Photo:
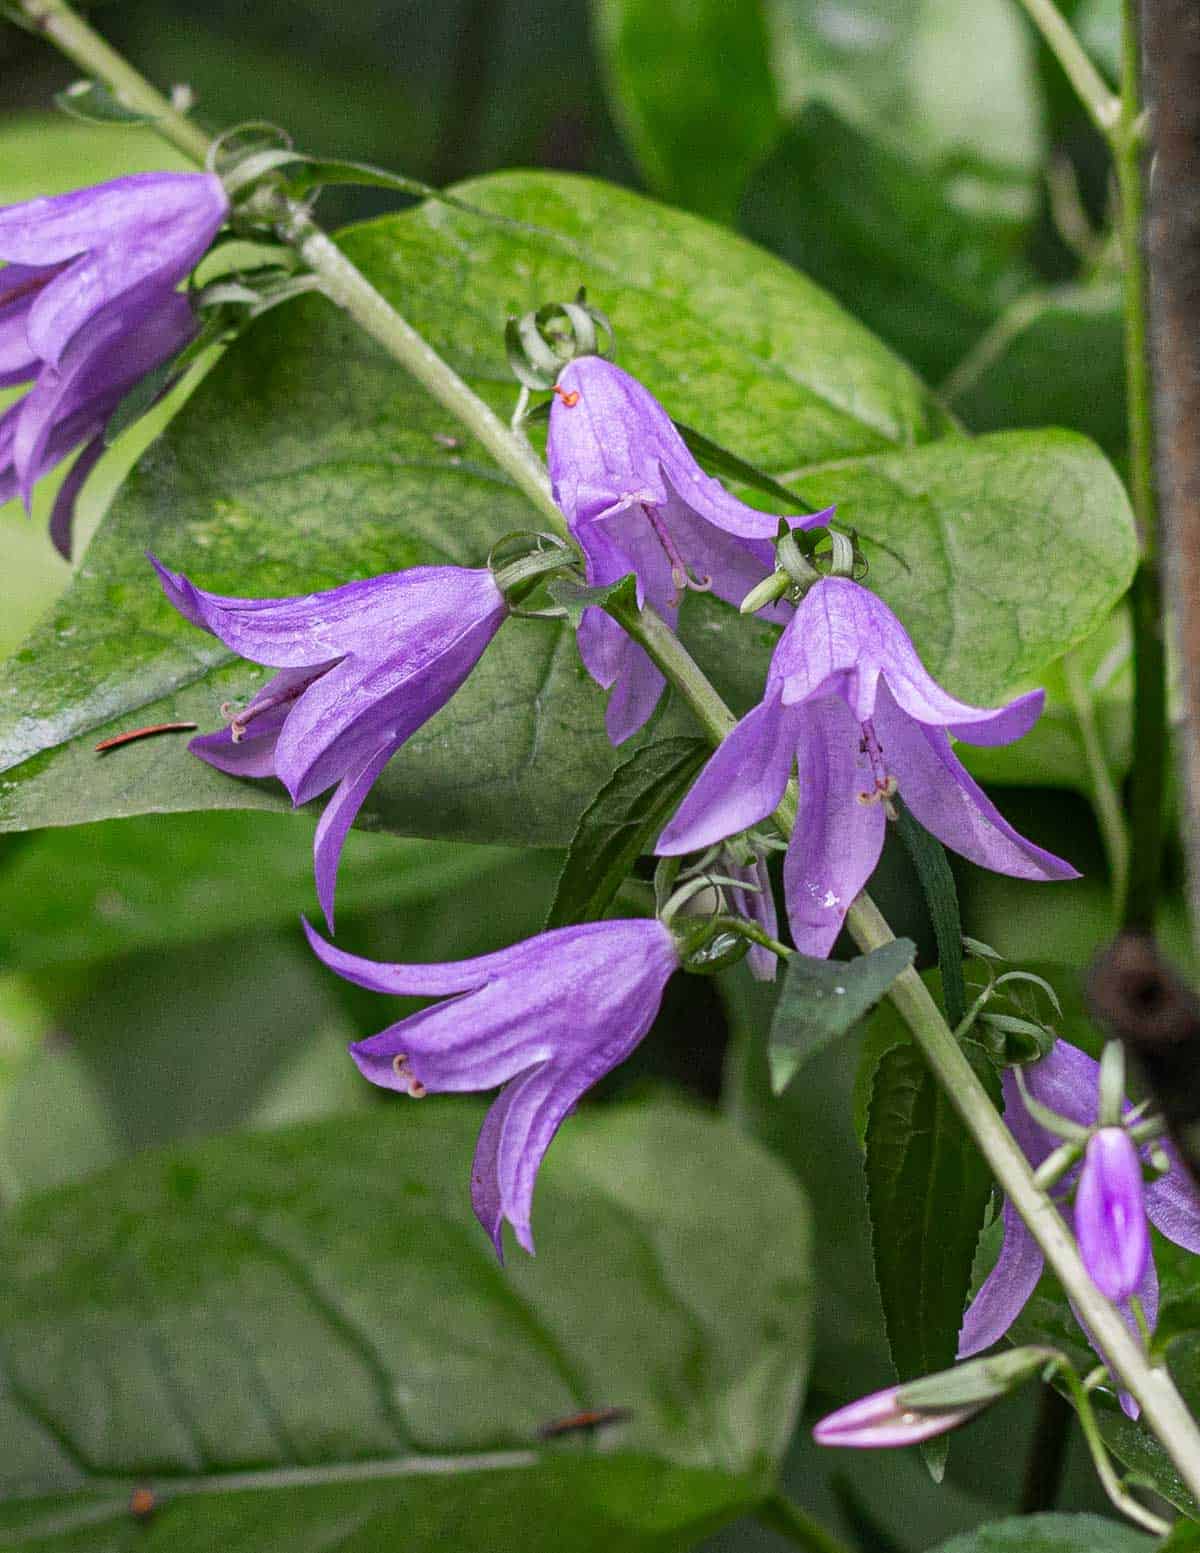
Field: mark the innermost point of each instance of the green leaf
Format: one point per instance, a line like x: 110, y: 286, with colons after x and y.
x: 927, y: 1190
x: 618, y: 825
x: 955, y: 87
x: 693, y: 91
x: 937, y: 885
x: 1051, y: 1534
x: 822, y: 999
x: 315, y: 1313
x: 873, y: 225
x: 1184, y: 1538
x: 1055, y: 358
x: 307, y: 458
x: 165, y: 880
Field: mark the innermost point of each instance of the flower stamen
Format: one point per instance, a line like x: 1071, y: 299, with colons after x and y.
x: 412, y: 1085
x: 569, y: 397
x: 682, y: 575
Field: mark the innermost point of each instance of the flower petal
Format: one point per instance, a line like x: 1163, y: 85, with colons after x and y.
x: 132, y: 241
x: 252, y: 756
x: 432, y: 980
x: 743, y: 781
x: 364, y: 703
x: 1173, y: 1203
x: 62, y: 515
x: 1004, y: 1292
x: 759, y: 906
x: 425, y: 603
x: 950, y: 803
x: 839, y: 826
x: 334, y: 826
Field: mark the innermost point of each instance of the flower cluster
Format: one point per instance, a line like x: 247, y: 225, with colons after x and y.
x: 89, y: 307
x: 1110, y: 1208
x: 848, y: 703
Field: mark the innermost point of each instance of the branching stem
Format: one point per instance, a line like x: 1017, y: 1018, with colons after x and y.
x: 1162, y: 1405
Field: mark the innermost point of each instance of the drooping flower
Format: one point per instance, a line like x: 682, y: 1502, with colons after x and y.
x: 86, y: 308
x: 362, y: 667
x: 542, y: 1021
x: 849, y: 700
x: 1067, y: 1082
x: 638, y: 502
x: 70, y: 406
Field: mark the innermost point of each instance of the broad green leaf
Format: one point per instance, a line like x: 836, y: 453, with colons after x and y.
x: 307, y: 458
x: 163, y: 880
x: 692, y: 87
x: 953, y: 86
x: 621, y: 823
x: 1051, y: 1534
x: 1055, y: 358
x: 822, y: 999
x: 305, y: 1333
x: 927, y: 1190
x: 870, y: 223
x: 589, y: 1504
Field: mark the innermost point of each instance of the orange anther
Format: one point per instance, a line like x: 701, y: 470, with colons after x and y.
x: 569, y: 399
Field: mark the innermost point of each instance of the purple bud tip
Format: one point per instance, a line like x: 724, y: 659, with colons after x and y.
x: 1110, y: 1214
x: 881, y: 1420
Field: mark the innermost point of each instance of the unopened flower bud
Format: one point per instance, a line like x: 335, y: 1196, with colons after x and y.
x: 920, y: 1409
x: 1110, y: 1214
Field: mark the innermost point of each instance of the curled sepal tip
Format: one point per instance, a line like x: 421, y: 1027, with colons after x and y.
x: 540, y: 343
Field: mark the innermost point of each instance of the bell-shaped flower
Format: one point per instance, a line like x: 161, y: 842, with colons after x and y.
x: 87, y: 308
x: 361, y: 668
x: 637, y: 501
x: 1067, y: 1082
x: 72, y: 257
x: 848, y: 699
x: 542, y: 1022
x: 70, y: 405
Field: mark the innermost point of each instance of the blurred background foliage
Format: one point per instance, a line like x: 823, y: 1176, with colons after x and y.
x: 922, y: 159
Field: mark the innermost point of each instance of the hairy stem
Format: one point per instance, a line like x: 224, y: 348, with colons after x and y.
x: 1105, y: 796
x: 1162, y: 1406
x: 1089, y: 84
x: 72, y: 36
x: 1147, y: 784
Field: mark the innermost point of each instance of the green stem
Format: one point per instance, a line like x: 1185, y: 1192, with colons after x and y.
x: 72, y: 36
x: 1106, y: 799
x: 1089, y: 84
x: 1102, y: 1461
x: 796, y: 1525
x: 1148, y: 776
x: 1162, y: 1406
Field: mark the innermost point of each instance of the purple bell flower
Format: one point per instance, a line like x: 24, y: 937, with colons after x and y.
x: 70, y: 406
x: 362, y: 667
x: 849, y: 700
x: 637, y: 501
x: 87, y: 307
x: 542, y: 1021
x: 1067, y: 1082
